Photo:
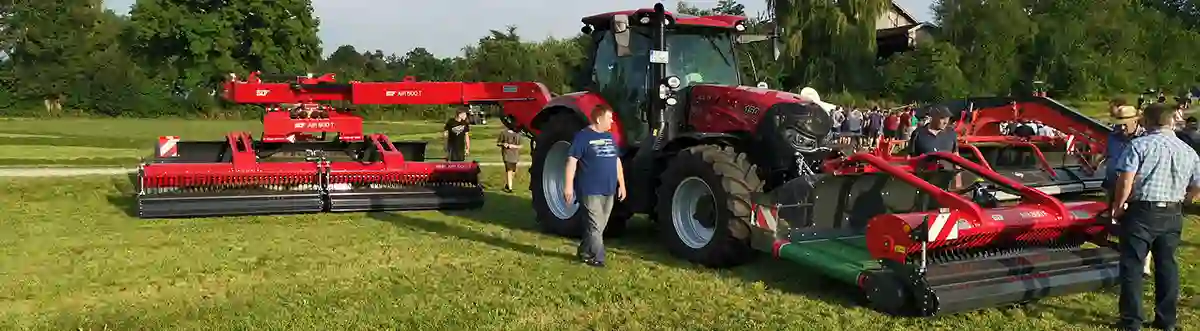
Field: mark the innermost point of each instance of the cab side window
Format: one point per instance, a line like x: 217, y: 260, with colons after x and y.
x: 606, y: 61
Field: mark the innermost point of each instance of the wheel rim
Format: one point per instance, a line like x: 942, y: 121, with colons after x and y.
x: 554, y: 176
x: 691, y: 193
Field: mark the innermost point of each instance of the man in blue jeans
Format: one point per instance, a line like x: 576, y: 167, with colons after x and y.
x: 1156, y: 173
x: 1125, y: 129
x: 600, y: 178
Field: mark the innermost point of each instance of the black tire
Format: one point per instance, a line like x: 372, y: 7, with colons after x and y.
x: 731, y: 178
x: 562, y: 128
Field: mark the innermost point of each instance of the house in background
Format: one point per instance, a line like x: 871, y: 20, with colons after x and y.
x: 898, y: 31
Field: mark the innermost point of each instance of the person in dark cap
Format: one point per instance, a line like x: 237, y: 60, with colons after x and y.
x: 458, y: 136
x: 1157, y: 172
x: 936, y: 136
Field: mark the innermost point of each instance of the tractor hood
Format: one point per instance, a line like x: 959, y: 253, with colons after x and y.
x: 802, y: 119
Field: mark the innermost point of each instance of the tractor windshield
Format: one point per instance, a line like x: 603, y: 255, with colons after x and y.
x: 702, y: 56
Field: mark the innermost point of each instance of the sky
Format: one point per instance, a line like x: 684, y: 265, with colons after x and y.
x: 444, y: 27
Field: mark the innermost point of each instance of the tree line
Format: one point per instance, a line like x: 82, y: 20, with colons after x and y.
x: 168, y: 57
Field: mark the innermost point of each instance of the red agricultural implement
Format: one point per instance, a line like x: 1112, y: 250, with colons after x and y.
x: 725, y: 170
x: 296, y: 168
x: 1066, y: 164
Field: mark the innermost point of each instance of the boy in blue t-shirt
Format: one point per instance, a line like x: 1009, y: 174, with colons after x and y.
x: 600, y: 178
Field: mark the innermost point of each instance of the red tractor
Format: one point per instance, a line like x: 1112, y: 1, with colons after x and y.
x: 725, y: 171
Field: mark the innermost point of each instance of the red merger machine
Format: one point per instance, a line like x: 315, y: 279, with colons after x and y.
x: 1065, y: 164
x: 291, y: 169
x: 725, y: 171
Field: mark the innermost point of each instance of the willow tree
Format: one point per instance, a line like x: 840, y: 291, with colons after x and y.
x: 829, y: 44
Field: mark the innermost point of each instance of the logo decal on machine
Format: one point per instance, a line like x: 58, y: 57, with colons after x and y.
x: 313, y: 125
x: 408, y: 93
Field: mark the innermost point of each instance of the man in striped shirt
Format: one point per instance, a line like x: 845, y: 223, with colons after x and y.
x: 1157, y: 172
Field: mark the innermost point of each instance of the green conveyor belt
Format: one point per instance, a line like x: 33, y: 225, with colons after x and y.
x: 839, y: 258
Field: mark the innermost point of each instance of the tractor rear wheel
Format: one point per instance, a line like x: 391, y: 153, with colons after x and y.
x: 548, y: 175
x: 704, y: 205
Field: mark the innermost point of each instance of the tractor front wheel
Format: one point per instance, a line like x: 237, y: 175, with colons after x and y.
x: 704, y: 205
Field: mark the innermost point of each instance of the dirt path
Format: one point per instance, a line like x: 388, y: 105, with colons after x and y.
x: 107, y: 171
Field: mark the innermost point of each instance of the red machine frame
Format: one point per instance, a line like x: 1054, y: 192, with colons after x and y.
x: 331, y: 181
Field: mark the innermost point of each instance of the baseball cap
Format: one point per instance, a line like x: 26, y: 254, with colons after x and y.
x: 939, y: 112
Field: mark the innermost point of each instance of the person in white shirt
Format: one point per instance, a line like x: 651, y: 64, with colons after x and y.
x: 838, y: 116
x: 1046, y: 131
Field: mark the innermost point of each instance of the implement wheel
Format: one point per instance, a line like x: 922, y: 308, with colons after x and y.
x: 548, y: 175
x: 704, y: 205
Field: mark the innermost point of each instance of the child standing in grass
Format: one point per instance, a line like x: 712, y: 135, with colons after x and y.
x: 510, y: 150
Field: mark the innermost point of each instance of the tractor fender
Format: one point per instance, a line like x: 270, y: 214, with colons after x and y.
x: 581, y: 103
x: 700, y: 138
x: 553, y: 110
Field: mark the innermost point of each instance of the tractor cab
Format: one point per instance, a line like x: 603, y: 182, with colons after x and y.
x: 642, y: 68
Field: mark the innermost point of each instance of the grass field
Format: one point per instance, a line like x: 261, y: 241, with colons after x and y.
x: 74, y: 258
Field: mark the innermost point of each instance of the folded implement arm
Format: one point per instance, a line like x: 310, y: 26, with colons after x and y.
x: 291, y: 171
x: 1063, y: 165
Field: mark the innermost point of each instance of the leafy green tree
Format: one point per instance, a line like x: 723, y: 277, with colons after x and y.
x: 198, y: 43
x: 730, y: 7
x: 829, y: 45
x: 990, y: 36
x: 51, y: 42
x: 929, y: 73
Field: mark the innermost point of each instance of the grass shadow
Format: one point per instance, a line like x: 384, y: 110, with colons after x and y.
x: 1074, y: 315
x: 124, y: 194
x: 641, y: 241
x: 402, y: 220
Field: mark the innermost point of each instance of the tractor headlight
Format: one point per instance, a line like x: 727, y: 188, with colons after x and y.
x: 645, y: 20
x: 672, y: 101
x: 673, y: 82
x: 798, y: 140
x: 663, y: 91
x: 740, y: 27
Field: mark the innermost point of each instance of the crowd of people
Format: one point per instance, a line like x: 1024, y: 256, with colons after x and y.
x: 861, y: 129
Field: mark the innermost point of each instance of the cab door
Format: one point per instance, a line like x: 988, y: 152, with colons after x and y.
x: 622, y: 81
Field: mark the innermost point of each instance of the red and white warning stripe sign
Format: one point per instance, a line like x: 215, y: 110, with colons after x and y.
x: 766, y: 217
x: 168, y: 146
x: 938, y: 229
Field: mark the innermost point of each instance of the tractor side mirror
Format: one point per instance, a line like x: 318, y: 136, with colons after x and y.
x: 775, y: 47
x: 620, y: 28
x: 751, y: 38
